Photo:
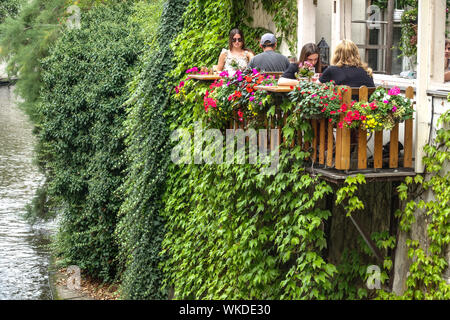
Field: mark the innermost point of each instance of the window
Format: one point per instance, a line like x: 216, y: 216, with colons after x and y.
x: 369, y: 31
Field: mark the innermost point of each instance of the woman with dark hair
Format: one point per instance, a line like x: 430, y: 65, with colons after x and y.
x: 237, y: 56
x: 309, y: 55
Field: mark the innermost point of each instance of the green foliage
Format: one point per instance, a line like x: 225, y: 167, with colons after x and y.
x: 399, y: 4
x: 347, y: 193
x: 207, y: 26
x: 25, y: 41
x: 408, y: 40
x: 141, y: 227
x: 425, y: 279
x: 314, y: 100
x: 260, y: 239
x: 9, y: 8
x: 84, y: 89
x: 285, y: 17
x: 39, y: 208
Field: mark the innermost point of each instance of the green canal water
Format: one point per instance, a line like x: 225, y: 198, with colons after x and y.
x: 24, y: 253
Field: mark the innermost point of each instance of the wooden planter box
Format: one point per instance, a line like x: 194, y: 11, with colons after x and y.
x: 331, y: 145
x: 323, y: 130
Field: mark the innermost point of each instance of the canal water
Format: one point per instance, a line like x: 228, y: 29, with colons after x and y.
x: 24, y: 252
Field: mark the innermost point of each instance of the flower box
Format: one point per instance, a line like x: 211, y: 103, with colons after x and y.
x: 331, y: 145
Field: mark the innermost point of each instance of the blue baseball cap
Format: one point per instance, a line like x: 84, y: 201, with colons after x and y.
x: 268, y: 38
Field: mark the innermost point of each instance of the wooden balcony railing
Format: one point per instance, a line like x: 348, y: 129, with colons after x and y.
x: 331, y: 146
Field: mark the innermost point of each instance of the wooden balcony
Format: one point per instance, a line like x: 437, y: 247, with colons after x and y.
x: 336, y: 153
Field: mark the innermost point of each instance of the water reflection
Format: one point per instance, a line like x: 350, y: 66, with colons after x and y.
x: 24, y: 253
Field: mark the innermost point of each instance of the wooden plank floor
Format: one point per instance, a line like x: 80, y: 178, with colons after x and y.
x: 339, y: 176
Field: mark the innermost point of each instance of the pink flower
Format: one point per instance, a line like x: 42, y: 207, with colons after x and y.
x: 224, y: 74
x: 176, y: 90
x: 394, y: 108
x: 194, y: 69
x: 395, y: 91
x: 240, y: 78
x: 385, y: 101
x: 228, y: 83
x: 181, y: 84
x: 251, y: 98
x: 254, y: 71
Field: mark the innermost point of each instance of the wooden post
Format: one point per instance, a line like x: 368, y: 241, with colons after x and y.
x: 314, y: 141
x: 378, y: 150
x: 362, y: 134
x: 343, y: 144
x: 262, y: 137
x: 337, y: 157
x: 330, y: 145
x: 408, y: 142
x: 322, y: 142
x: 393, y: 148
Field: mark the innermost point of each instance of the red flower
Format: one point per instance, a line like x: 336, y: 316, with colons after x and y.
x: 240, y: 115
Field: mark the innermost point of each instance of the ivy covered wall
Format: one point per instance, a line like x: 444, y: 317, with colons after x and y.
x: 106, y: 107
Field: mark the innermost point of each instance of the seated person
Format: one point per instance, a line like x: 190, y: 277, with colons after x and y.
x: 269, y: 60
x: 310, y: 54
x: 447, y: 57
x: 237, y: 56
x: 347, y: 68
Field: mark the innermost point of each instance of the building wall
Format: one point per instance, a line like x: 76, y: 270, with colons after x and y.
x: 261, y: 19
x: 323, y: 21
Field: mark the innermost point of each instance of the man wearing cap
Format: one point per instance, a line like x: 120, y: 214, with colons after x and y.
x: 269, y: 60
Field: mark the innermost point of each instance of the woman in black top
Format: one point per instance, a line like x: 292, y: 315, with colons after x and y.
x: 309, y: 54
x: 347, y: 67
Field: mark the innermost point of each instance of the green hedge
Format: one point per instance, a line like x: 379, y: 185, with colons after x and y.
x: 82, y: 112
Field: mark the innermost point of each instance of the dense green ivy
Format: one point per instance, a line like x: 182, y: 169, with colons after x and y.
x: 253, y: 240
x: 82, y: 111
x: 259, y: 239
x: 428, y: 196
x: 207, y: 26
x: 285, y: 17
x: 141, y: 228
